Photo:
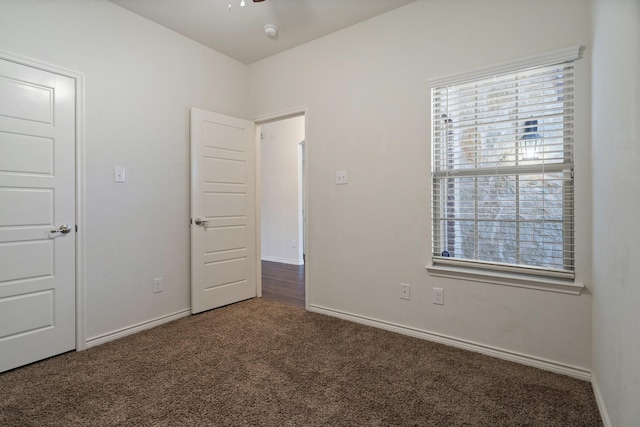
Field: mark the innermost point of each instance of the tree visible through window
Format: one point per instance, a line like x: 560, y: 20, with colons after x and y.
x: 502, y: 169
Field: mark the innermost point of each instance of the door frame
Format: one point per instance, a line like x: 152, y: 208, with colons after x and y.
x: 79, y: 80
x: 261, y: 120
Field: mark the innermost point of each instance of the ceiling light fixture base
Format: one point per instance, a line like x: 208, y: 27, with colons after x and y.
x: 271, y: 31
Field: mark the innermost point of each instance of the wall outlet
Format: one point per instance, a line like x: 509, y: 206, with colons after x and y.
x: 157, y: 285
x: 118, y: 174
x: 438, y: 296
x: 405, y: 291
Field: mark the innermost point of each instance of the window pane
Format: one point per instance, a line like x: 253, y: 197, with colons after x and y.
x: 541, y: 244
x: 497, y: 242
x: 497, y: 198
x: 513, y: 219
x: 502, y: 168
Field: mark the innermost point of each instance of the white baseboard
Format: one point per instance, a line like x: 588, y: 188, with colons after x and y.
x: 129, y: 330
x: 601, y: 407
x: 282, y: 260
x: 524, y: 359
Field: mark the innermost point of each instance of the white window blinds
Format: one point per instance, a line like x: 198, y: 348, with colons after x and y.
x: 502, y: 170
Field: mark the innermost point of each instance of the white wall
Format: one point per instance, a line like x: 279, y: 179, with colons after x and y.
x: 141, y: 80
x: 368, y: 112
x: 280, y: 190
x: 616, y: 203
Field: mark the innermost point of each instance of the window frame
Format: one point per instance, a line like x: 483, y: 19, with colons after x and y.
x: 491, y: 272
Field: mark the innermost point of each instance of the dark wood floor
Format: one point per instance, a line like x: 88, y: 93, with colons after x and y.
x: 283, y: 283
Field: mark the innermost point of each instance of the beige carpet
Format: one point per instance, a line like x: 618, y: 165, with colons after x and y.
x: 260, y: 363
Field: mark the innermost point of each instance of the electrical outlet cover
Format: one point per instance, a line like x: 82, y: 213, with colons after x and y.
x: 405, y: 291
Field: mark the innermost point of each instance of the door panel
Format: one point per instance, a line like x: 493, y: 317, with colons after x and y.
x: 40, y: 253
x: 223, y: 250
x: 225, y: 205
x: 41, y: 303
x: 13, y: 201
x: 225, y: 171
x: 226, y: 272
x: 226, y: 238
x: 37, y: 195
x: 31, y: 101
x: 26, y: 154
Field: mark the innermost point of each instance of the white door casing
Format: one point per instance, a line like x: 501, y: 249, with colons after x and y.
x: 37, y: 196
x: 223, y: 202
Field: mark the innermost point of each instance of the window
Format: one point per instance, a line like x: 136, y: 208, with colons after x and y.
x: 502, y: 168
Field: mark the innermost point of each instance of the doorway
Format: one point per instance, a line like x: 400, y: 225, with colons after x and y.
x: 282, y: 215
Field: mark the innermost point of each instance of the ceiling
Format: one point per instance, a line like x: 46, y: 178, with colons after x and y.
x: 239, y: 33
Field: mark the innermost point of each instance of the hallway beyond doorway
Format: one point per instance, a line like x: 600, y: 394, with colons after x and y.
x: 283, y: 283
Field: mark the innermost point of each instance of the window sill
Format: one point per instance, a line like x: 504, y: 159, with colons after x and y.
x: 507, y: 279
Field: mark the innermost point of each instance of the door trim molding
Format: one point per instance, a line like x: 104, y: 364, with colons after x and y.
x: 282, y: 115
x: 261, y: 120
x: 79, y: 79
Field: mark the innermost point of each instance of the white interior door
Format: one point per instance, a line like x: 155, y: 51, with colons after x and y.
x: 223, y: 210
x: 37, y: 196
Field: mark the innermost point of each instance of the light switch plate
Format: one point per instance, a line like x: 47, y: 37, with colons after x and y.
x: 341, y: 177
x: 157, y: 285
x: 438, y: 296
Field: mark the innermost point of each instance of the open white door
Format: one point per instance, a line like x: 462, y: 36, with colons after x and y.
x: 223, y: 210
x: 37, y: 214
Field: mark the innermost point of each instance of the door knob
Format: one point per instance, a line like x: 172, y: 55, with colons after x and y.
x: 64, y: 229
x: 201, y: 222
